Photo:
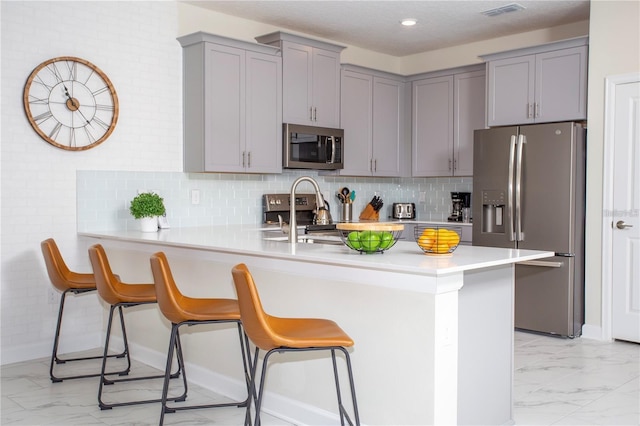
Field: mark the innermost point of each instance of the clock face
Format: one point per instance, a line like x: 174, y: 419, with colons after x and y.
x: 71, y: 103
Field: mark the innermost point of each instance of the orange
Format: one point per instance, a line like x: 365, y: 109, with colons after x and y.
x: 425, y: 242
x: 441, y: 248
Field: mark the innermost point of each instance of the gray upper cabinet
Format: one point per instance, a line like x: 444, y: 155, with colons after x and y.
x: 372, y: 112
x: 232, y: 105
x: 538, y: 84
x: 311, y: 79
x: 447, y: 108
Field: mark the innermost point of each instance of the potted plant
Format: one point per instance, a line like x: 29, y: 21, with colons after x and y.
x: 147, y: 206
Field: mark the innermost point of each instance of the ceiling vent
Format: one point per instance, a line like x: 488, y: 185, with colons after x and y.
x: 513, y: 7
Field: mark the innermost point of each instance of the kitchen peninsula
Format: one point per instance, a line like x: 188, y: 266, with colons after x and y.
x: 433, y: 335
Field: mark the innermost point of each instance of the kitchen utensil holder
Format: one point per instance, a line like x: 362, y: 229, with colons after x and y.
x: 346, y: 212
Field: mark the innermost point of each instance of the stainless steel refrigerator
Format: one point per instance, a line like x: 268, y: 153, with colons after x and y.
x: 529, y: 193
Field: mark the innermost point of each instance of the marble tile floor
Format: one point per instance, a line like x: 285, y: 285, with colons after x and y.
x: 575, y: 381
x: 557, y: 382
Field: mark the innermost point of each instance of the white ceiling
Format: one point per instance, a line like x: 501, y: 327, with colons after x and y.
x: 374, y: 25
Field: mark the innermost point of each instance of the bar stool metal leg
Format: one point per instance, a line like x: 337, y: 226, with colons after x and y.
x: 175, y: 342
x: 55, y: 359
x: 105, y: 381
x: 344, y: 415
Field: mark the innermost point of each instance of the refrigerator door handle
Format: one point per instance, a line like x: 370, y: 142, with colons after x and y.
x: 522, y: 139
x: 541, y: 263
x: 510, y: 213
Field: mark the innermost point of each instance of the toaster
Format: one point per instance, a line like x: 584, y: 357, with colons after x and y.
x: 404, y: 210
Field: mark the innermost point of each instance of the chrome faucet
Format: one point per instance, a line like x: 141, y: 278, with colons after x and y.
x: 293, y: 223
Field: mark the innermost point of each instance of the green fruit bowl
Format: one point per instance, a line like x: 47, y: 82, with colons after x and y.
x: 370, y: 237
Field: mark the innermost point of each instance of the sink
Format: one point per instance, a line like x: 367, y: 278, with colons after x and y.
x: 309, y: 239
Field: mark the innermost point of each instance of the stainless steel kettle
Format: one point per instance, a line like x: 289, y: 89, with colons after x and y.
x: 323, y: 215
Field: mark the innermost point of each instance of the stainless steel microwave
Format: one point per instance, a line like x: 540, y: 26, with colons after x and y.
x: 310, y: 147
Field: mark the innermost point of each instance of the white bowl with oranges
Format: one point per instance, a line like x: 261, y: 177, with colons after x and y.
x: 437, y: 240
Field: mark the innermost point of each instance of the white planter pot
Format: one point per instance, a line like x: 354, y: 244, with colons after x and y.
x: 149, y: 224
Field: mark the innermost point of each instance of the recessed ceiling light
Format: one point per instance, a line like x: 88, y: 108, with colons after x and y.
x: 409, y: 22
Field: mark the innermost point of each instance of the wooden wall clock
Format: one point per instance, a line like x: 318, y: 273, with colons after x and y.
x: 71, y: 103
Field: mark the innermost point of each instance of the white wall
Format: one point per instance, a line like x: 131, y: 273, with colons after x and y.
x: 134, y: 44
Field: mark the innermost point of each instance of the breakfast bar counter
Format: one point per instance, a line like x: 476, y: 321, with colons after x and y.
x: 433, y: 334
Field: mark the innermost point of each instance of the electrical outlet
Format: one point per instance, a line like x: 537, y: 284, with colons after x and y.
x: 423, y: 197
x: 52, y: 297
x: 195, y: 196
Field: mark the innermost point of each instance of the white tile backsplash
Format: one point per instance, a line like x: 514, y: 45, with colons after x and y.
x: 104, y: 196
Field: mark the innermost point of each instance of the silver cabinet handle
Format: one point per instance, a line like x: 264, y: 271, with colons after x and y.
x: 621, y: 225
x: 310, y: 113
x: 249, y: 160
x: 536, y: 110
x: 529, y: 110
x: 315, y: 114
x: 243, y: 158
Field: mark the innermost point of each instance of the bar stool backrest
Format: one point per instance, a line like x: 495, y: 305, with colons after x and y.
x: 106, y: 282
x: 167, y: 292
x: 255, y: 321
x: 60, y: 275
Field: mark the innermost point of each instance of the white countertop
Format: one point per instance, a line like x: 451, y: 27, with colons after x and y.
x: 403, y: 257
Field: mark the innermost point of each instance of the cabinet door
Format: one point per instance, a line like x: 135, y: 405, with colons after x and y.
x: 326, y: 88
x: 387, y: 126
x: 561, y: 85
x: 432, y: 138
x: 356, y: 115
x: 297, y: 88
x: 224, y: 123
x: 511, y: 86
x: 469, y: 115
x: 263, y: 151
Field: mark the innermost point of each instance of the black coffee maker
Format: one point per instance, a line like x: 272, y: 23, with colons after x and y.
x: 459, y: 201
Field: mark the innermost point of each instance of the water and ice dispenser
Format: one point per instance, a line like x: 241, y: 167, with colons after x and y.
x: 493, y: 211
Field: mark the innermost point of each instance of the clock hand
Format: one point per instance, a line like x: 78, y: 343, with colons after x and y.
x: 84, y: 118
x: 73, y: 103
x: 66, y: 92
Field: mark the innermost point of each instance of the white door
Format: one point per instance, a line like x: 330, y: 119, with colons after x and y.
x: 625, y: 222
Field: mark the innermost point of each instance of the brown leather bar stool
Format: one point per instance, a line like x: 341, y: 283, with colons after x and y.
x: 273, y: 334
x: 183, y: 310
x: 122, y: 295
x: 67, y: 281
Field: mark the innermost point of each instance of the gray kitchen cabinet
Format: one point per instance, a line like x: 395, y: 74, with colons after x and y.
x: 539, y: 84
x: 372, y: 116
x: 311, y: 79
x: 447, y: 108
x: 232, y: 105
x: 469, y: 103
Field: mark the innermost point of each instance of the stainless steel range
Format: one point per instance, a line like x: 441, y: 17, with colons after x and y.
x: 274, y: 205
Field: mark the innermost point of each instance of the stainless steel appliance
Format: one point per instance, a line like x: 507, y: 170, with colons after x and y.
x: 274, y: 205
x: 529, y: 193
x: 309, y: 147
x: 459, y: 202
x: 404, y: 210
